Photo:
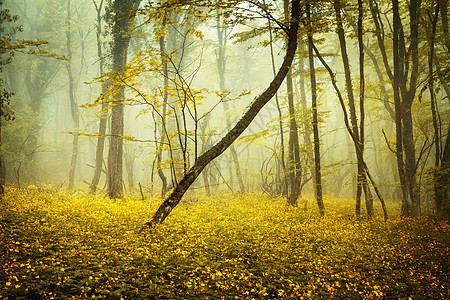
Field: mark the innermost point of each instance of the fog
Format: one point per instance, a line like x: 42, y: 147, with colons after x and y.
x: 215, y: 67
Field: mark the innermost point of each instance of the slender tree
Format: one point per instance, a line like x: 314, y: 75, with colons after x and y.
x: 163, y: 134
x: 315, y: 119
x: 175, y: 196
x: 283, y: 183
x: 357, y: 130
x: 100, y: 147
x: 73, y: 102
x: 222, y: 35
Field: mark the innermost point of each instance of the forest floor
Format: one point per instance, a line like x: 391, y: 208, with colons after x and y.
x: 59, y: 245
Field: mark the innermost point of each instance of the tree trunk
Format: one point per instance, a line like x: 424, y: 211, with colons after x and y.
x: 307, y: 127
x: 159, y: 150
x: 294, y: 164
x: 441, y: 162
x: 121, y: 38
x: 129, y: 166
x: 205, y: 146
x: 444, y: 174
x: 2, y: 162
x: 73, y: 103
x: 443, y: 192
x: 174, y: 198
x: 222, y: 36
x: 350, y: 132
x: 99, y: 149
x: 367, y: 194
x: 444, y: 14
x: 398, y: 110
x: 315, y: 121
x: 282, y: 185
x: 351, y: 105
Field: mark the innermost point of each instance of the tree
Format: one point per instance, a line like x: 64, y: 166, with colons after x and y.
x: 6, y: 55
x: 281, y: 179
x: 223, y: 33
x: 404, y: 79
x: 175, y: 196
x: 22, y: 148
x: 315, y: 121
x: 99, y: 149
x: 73, y: 103
x: 294, y: 163
x: 122, y: 14
x: 441, y: 167
x: 357, y: 130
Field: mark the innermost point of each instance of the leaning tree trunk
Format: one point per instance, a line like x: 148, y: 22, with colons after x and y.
x: 174, y: 198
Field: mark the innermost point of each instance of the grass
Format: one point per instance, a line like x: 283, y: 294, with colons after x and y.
x: 59, y: 245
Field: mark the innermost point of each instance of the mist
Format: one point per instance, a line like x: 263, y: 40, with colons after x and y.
x: 318, y: 107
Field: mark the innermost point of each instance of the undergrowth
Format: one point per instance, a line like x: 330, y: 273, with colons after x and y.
x: 59, y: 245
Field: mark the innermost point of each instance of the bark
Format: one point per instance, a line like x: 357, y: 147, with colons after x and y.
x: 444, y: 14
x: 404, y: 82
x: 380, y: 36
x: 2, y: 162
x: 159, y: 150
x: 349, y: 130
x: 398, y: 110
x: 99, y: 149
x: 407, y: 95
x: 307, y: 127
x: 129, y: 166
x: 315, y: 124
x: 222, y: 36
x: 73, y: 102
x: 443, y: 210
x: 405, y: 60
x: 205, y: 145
x: 444, y: 174
x: 283, y: 183
x: 174, y: 198
x: 121, y: 38
x: 356, y: 131
x: 294, y: 164
x: 367, y: 194
x: 441, y: 162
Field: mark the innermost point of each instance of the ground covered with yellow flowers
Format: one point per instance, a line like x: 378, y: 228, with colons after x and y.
x: 59, y: 245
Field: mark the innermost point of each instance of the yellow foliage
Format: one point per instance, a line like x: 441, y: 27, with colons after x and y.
x: 62, y: 245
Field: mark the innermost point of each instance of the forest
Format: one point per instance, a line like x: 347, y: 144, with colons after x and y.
x: 235, y: 149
